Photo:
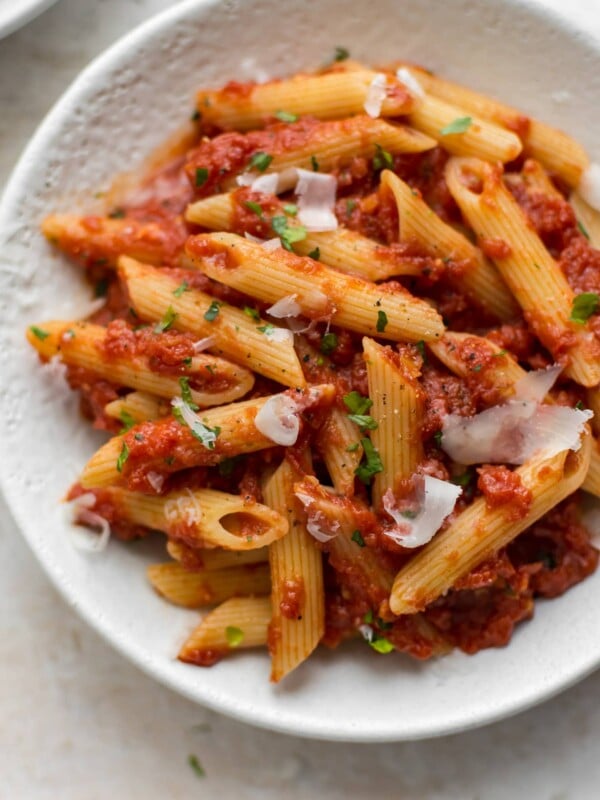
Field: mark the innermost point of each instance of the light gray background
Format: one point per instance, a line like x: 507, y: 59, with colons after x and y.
x: 77, y: 721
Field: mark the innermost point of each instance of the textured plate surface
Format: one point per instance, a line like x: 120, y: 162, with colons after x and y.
x: 16, y: 13
x: 121, y: 107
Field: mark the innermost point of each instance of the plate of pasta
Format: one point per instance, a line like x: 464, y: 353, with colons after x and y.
x: 301, y: 363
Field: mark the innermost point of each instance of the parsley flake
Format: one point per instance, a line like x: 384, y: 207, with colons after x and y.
x: 212, y: 312
x: 579, y: 405
x: 286, y: 116
x: 183, y: 287
x: 201, y: 176
x: 582, y: 229
x: 381, y: 645
x: 357, y: 537
x: 127, y: 420
x: 328, y: 343
x: 371, y: 463
x: 316, y: 254
x: 382, y: 158
x: 260, y: 161
x: 356, y: 403
x: 350, y: 206
x: 256, y: 207
x: 251, y: 312
x: 101, y: 288
x: 341, y: 54
x: 286, y: 232
x: 584, y: 305
x: 166, y: 322
x: 364, y: 421
x: 437, y: 437
x: 117, y: 213
x: 291, y: 209
x: 234, y: 636
x: 314, y: 163
x: 123, y: 456
x: 368, y: 617
x: 196, y: 766
x: 382, y: 321
x: 352, y: 448
x: 458, y: 125
x: 186, y: 392
x: 39, y: 333
x: 420, y: 345
x: 185, y: 415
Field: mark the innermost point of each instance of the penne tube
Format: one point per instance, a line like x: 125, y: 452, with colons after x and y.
x: 535, y: 179
x: 398, y: 410
x: 235, y: 334
x: 201, y: 517
x: 214, y: 558
x: 297, y: 592
x: 455, y: 350
x: 212, y: 380
x: 480, y: 531
x: 137, y: 407
x: 557, y: 151
x: 593, y: 402
x: 325, y: 147
x: 341, y: 450
x: 529, y: 270
x: 321, y: 292
x: 588, y: 218
x: 99, y: 241
x: 168, y: 446
x: 346, y: 250
x: 478, y: 137
x: 196, y: 589
x: 591, y: 483
x: 419, y: 224
x: 238, y: 623
x: 327, y: 96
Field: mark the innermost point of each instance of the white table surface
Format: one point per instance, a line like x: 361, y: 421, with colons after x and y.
x: 78, y: 721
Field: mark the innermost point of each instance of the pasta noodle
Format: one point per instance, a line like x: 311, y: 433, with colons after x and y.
x: 196, y: 589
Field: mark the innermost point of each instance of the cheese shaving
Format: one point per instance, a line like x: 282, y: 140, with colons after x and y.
x: 286, y: 307
x: 278, y: 419
x: 376, y: 94
x: 82, y: 514
x: 316, y: 200
x: 410, y: 81
x: 589, y: 186
x: 433, y: 501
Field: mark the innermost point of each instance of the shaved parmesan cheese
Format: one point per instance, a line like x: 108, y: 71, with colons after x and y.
x: 513, y: 433
x: 185, y: 508
x: 266, y: 183
x: 409, y: 80
x: 317, y: 524
x: 203, y: 344
x: 279, y: 335
x: 269, y: 183
x: 246, y: 178
x: 278, y: 419
x: 436, y: 499
x: 207, y: 436
x: 81, y: 514
x: 156, y: 481
x: 589, y: 186
x: 272, y: 244
x: 316, y: 200
x: 536, y: 384
x: 252, y: 238
x: 376, y: 94
x: 367, y: 632
x: 286, y: 307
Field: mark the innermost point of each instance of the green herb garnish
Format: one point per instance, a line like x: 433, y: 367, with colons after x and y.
x: 356, y: 403
x: 382, y: 158
x: 123, y: 456
x: 251, y: 312
x: 261, y: 161
x: 357, y: 537
x: 316, y: 254
x: 291, y: 209
x: 127, y: 420
x: 201, y: 176
x: 39, y: 333
x: 381, y: 644
x: 286, y: 232
x: 314, y: 163
x: 196, y: 766
x: 285, y: 116
x: 166, y: 322
x: 234, y: 636
x: 371, y: 463
x: 250, y: 204
x: 341, y: 54
x: 328, y: 343
x: 582, y: 229
x: 382, y: 321
x: 183, y: 287
x: 458, y: 125
x: 212, y: 312
x: 584, y: 305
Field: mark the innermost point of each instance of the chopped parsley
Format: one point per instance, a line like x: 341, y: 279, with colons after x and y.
x: 584, y: 305
x: 352, y: 448
x: 127, y: 420
x: 117, y: 213
x: 437, y: 437
x: 183, y: 287
x: 251, y: 312
x: 39, y: 333
x: 291, y: 209
x: 184, y: 414
x: 328, y: 343
x: 368, y: 617
x: 123, y: 456
x: 582, y: 229
x: 420, y: 345
x: 266, y: 329
x: 464, y: 479
x: 196, y: 766
x: 357, y: 537
x: 234, y: 636
x: 256, y: 207
x: 371, y: 463
x: 314, y: 163
x: 286, y: 232
x: 187, y: 361
x: 381, y: 644
x: 186, y: 392
x: 350, y: 206
x: 316, y: 254
x: 382, y: 158
x: 458, y: 125
x: 499, y: 354
x: 201, y: 176
x: 212, y: 312
x: 579, y: 405
x: 382, y: 321
x: 196, y: 116
x: 341, y: 54
x: 356, y: 403
x: 261, y: 161
x: 364, y: 421
x: 286, y: 116
x: 101, y: 288
x: 169, y: 318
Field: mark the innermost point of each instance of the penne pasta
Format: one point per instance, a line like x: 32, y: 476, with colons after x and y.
x: 195, y: 589
x: 557, y: 151
x: 419, y: 224
x: 342, y: 248
x: 531, y: 273
x: 235, y: 334
x: 398, y: 410
x: 174, y: 447
x: 587, y: 217
x: 137, y: 407
x: 325, y: 96
x: 214, y: 558
x: 321, y: 293
x: 342, y: 452
x: 238, y: 623
x: 297, y: 592
x: 480, y: 531
x: 211, y: 380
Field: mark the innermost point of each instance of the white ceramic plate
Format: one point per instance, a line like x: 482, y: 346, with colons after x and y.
x: 16, y: 13
x: 122, y: 106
